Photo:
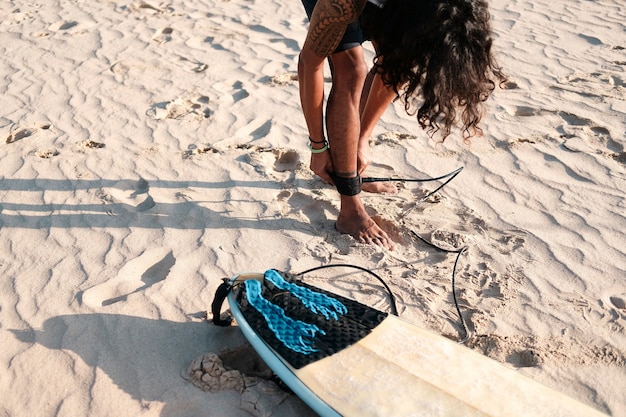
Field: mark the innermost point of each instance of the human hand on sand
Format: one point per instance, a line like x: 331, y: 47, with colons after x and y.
x: 322, y: 166
x: 363, y: 156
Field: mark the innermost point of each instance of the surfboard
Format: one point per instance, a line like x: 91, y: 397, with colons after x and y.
x: 344, y: 358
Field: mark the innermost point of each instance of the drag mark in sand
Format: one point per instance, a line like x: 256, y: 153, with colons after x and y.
x: 139, y: 274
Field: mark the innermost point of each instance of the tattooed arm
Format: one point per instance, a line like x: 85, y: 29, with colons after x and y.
x: 328, y: 24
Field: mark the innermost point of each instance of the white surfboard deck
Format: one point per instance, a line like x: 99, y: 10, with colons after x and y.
x: 400, y: 369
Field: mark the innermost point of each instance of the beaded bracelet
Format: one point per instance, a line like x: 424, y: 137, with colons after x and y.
x: 320, y: 150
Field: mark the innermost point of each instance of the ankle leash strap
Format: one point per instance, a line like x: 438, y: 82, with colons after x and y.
x: 347, y: 186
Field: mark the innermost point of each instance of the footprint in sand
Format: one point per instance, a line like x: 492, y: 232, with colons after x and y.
x: 20, y: 134
x: 510, y: 85
x: 133, y: 194
x: 180, y: 108
x: 64, y: 26
x: 240, y: 92
x: 281, y: 80
x: 286, y: 160
x: 583, y: 135
x: 602, y: 83
x: 268, y: 161
x: 194, y: 150
x: 151, y: 267
x: 511, y: 242
x: 46, y: 153
x: 147, y: 7
x: 393, y: 138
x: 302, y: 206
x: 163, y: 36
x: 90, y: 144
x: 527, y: 111
x: 25, y: 132
x: 618, y: 302
x: 86, y: 146
x: 617, y: 310
x: 16, y: 16
x: 192, y: 65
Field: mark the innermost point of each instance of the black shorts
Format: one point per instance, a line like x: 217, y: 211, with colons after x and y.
x: 355, y: 35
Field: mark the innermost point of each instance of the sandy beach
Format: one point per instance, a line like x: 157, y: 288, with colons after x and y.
x: 150, y: 149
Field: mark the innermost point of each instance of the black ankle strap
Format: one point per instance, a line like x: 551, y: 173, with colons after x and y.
x: 347, y: 186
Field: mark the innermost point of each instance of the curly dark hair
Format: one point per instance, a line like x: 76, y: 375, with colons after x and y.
x: 441, y: 49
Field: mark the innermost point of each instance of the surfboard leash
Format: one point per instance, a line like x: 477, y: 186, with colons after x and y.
x: 392, y: 298
x: 458, y: 252
x: 225, y: 288
x: 394, y: 310
x: 450, y: 176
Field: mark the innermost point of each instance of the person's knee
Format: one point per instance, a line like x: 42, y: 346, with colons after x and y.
x: 349, y: 69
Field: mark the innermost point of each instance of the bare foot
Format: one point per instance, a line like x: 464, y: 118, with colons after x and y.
x: 354, y: 220
x: 379, y: 187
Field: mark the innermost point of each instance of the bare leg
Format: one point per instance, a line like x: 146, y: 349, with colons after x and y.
x: 375, y: 99
x: 367, y: 86
x: 344, y: 127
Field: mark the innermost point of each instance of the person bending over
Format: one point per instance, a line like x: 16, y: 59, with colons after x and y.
x: 433, y: 54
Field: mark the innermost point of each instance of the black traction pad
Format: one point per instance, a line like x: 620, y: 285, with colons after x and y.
x: 351, y: 327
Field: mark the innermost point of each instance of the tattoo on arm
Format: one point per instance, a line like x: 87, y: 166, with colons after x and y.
x: 329, y: 22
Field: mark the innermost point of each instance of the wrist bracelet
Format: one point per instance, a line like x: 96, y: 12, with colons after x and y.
x: 320, y: 150
x: 318, y: 141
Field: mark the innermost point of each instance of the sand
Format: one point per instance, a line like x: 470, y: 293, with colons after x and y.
x: 150, y: 149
